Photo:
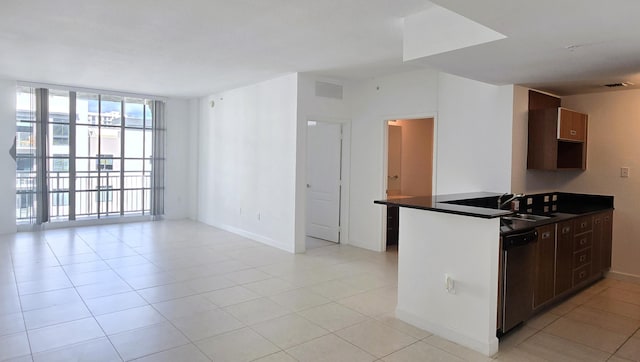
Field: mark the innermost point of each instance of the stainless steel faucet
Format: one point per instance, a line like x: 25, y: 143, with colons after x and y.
x: 513, y: 197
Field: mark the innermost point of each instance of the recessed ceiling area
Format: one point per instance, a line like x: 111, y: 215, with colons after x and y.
x: 197, y: 47
x: 564, y: 47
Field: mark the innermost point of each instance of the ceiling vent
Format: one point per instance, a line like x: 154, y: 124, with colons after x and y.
x: 328, y: 90
x: 616, y: 85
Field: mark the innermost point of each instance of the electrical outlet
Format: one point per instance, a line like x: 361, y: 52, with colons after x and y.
x: 449, y: 284
x: 624, y: 172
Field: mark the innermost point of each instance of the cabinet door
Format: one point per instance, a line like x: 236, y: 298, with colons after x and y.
x: 605, y: 246
x: 572, y: 126
x: 564, y: 257
x: 598, y: 233
x: 545, y: 265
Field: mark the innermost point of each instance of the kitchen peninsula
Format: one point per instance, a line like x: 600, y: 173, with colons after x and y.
x: 450, y: 278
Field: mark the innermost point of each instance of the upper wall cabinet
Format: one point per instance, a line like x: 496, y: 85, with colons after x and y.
x: 572, y: 126
x: 557, y: 139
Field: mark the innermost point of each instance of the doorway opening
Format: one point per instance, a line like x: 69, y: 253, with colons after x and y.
x: 324, y: 183
x: 409, y: 166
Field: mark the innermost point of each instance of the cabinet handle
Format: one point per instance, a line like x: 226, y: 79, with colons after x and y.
x: 583, y: 258
x: 573, y: 132
x: 582, y: 274
x: 583, y: 241
x: 583, y: 224
x: 546, y: 235
x: 597, y: 221
x: 566, y: 230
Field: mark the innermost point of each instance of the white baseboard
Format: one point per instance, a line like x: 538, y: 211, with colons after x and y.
x: 623, y: 276
x: 488, y: 349
x: 253, y: 236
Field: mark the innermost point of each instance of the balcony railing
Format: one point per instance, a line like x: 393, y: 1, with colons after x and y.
x: 97, y: 194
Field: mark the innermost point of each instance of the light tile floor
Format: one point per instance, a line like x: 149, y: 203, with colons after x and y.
x: 184, y: 291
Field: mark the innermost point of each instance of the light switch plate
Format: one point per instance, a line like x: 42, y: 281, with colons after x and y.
x: 624, y: 172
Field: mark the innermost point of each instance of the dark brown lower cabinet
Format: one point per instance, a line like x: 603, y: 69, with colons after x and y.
x: 570, y: 255
x: 544, y: 265
x: 606, y: 241
x: 393, y: 224
x: 564, y: 256
x: 597, y: 244
x: 567, y: 257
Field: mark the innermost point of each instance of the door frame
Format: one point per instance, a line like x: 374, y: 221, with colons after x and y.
x: 345, y: 172
x: 385, y: 167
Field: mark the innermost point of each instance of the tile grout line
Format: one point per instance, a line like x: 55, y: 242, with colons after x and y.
x: 167, y: 320
x: 625, y: 341
x: 84, y: 302
x: 24, y: 323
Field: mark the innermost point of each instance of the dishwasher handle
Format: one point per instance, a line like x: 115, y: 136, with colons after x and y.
x: 520, y: 239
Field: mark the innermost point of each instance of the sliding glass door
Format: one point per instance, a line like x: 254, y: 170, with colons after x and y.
x: 98, y: 156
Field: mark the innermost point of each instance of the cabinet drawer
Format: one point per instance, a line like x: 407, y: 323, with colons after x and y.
x: 582, y: 224
x: 582, y: 241
x: 582, y: 258
x: 581, y: 274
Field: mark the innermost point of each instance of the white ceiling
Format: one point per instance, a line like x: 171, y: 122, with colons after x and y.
x: 197, y: 47
x: 562, y: 46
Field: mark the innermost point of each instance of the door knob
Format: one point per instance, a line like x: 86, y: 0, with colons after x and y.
x: 308, y: 186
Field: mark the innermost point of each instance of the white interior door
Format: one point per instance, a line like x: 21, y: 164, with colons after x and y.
x: 324, y: 149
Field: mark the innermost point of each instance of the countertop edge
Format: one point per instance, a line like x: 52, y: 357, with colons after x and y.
x: 463, y: 210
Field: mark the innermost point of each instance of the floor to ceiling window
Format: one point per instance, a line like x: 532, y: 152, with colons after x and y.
x: 82, y: 155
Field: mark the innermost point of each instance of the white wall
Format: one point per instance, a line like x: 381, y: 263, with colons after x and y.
x: 312, y: 107
x: 247, y: 161
x: 473, y: 136
x: 192, y: 182
x: 398, y: 96
x: 177, y: 151
x: 433, y: 245
x: 473, y: 127
x: 7, y: 164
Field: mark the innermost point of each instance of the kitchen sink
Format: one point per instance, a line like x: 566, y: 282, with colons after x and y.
x: 527, y: 217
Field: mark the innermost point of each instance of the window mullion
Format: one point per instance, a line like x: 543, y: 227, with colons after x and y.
x: 122, y: 166
x: 99, y: 181
x: 144, y: 150
x: 72, y: 155
x: 42, y: 126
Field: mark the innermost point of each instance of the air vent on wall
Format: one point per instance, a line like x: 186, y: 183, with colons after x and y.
x: 328, y: 90
x: 621, y: 84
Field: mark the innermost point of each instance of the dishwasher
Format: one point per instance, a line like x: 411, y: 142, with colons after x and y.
x: 517, y: 266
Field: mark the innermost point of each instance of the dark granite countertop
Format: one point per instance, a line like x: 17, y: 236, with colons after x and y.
x: 557, y: 206
x: 442, y: 203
